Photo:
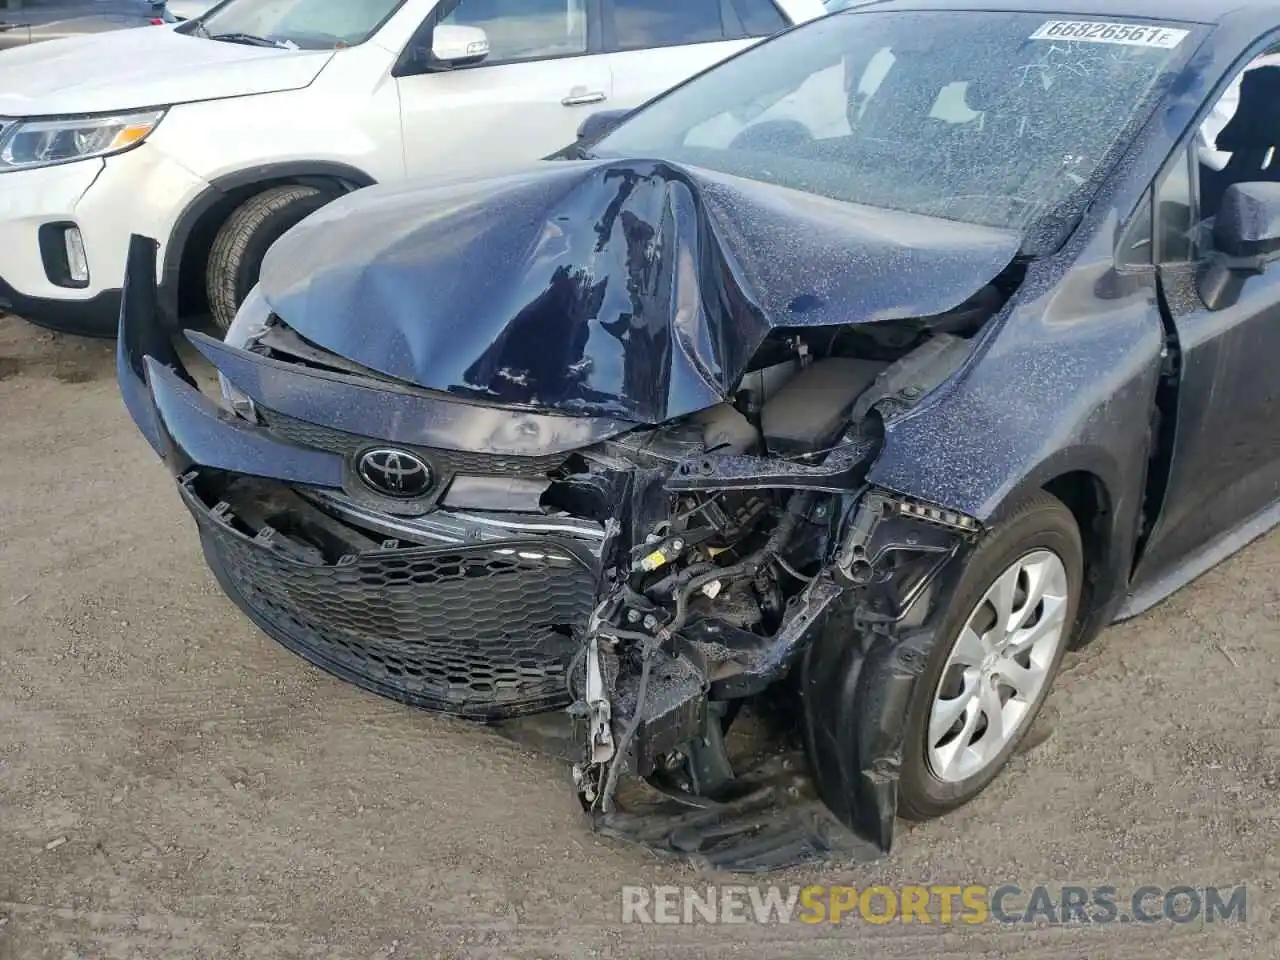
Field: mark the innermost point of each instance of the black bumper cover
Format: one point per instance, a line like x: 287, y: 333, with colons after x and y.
x: 96, y: 317
x: 430, y: 627
x: 478, y: 631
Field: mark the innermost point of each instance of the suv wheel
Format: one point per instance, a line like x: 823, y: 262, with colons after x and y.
x: 240, y: 245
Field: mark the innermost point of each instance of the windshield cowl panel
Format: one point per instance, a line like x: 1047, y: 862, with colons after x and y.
x: 1003, y: 120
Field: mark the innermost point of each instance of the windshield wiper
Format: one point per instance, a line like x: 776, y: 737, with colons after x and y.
x: 249, y: 40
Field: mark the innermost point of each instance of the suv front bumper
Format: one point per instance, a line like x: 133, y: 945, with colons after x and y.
x: 141, y: 190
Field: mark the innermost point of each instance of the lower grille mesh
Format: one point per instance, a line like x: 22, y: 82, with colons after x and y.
x: 482, y: 633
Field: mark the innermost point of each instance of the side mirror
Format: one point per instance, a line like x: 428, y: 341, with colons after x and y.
x: 600, y: 123
x: 455, y: 46
x: 1246, y: 237
x: 1248, y: 220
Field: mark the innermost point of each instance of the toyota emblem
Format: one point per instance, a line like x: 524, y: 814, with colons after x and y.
x: 395, y: 473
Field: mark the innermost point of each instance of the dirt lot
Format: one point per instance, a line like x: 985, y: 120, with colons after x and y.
x: 219, y: 798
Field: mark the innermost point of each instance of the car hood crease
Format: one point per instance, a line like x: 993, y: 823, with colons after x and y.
x: 629, y: 288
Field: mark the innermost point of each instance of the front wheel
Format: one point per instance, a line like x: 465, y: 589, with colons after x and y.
x: 235, y: 261
x: 1000, y: 643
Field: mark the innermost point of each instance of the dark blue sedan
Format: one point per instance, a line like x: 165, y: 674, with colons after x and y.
x: 867, y: 372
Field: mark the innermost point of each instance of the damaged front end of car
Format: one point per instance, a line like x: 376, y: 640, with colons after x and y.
x: 648, y: 560
x: 732, y: 573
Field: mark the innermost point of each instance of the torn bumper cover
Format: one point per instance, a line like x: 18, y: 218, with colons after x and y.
x: 465, y: 612
x: 623, y: 571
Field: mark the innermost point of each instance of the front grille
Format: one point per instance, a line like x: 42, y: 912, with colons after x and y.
x: 482, y: 632
x: 446, y: 462
x: 446, y: 526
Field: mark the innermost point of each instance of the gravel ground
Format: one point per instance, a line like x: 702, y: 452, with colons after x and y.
x: 173, y: 784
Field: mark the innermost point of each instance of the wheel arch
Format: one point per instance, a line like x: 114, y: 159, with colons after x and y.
x: 1087, y: 496
x: 181, y: 280
x: 1105, y: 503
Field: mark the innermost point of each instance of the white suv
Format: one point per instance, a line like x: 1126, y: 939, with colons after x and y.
x: 219, y: 135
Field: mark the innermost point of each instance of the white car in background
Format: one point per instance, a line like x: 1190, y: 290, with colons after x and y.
x: 221, y: 133
x: 37, y: 21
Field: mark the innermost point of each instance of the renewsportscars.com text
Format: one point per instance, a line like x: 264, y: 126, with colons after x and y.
x: 934, y: 904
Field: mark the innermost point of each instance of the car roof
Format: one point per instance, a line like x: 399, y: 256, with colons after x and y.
x: 1189, y: 11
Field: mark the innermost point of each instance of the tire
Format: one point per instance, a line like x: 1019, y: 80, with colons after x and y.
x: 1041, y: 524
x: 235, y: 260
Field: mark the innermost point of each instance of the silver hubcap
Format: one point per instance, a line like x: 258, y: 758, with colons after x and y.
x: 998, y: 667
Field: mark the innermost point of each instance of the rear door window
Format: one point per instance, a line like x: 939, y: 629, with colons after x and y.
x: 640, y: 24
x: 760, y: 18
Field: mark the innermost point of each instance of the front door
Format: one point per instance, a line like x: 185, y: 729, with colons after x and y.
x: 1225, y: 465
x: 541, y: 79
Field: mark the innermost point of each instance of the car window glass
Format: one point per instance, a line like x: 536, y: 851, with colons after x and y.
x: 664, y: 23
x: 952, y: 106
x: 1238, y: 140
x: 1176, y: 220
x: 1135, y: 246
x: 306, y: 23
x: 965, y: 115
x: 759, y: 17
x: 525, y: 29
x: 1224, y: 111
x: 822, y: 104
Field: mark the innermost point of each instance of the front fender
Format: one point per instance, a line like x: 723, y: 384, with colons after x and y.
x: 1066, y: 384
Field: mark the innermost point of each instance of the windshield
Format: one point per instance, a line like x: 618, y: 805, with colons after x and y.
x: 997, y: 119
x: 310, y: 24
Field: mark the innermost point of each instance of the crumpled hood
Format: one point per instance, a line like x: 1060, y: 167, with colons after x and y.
x: 635, y: 289
x: 143, y: 67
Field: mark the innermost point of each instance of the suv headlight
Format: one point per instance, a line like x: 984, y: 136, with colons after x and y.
x: 41, y: 143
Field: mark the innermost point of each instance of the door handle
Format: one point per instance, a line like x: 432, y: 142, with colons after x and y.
x: 578, y: 99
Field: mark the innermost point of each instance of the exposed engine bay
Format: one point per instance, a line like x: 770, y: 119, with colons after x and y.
x: 723, y: 539
x: 731, y: 534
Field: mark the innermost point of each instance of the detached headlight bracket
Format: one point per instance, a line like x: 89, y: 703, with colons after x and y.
x: 895, y: 548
